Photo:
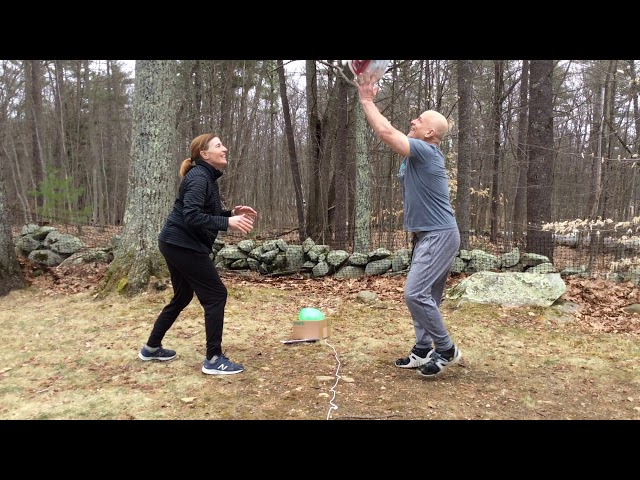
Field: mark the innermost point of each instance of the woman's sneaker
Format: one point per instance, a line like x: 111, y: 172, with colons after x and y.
x: 162, y: 354
x: 439, y: 362
x: 221, y: 366
x: 416, y: 358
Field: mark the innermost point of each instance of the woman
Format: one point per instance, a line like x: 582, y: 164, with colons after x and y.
x: 186, y: 241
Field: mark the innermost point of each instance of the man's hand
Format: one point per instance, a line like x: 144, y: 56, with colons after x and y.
x: 367, y: 89
x: 396, y: 140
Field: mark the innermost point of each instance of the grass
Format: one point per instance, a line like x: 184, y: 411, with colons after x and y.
x: 75, y: 357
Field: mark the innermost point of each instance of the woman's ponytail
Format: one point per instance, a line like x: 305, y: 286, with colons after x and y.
x: 186, y: 165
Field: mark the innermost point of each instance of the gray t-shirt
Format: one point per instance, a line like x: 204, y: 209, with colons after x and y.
x: 425, y: 189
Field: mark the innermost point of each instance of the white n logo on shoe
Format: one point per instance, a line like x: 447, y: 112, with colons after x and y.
x: 222, y: 367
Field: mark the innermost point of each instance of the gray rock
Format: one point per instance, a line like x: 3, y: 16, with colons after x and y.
x: 509, y: 288
x: 378, y: 267
x: 350, y: 271
x: 400, y: 260
x: 320, y: 270
x: 533, y: 259
x: 359, y: 259
x: 542, y: 268
x: 379, y: 254
x: 511, y: 258
x: 367, y: 296
x: 337, y: 258
x: 295, y: 257
x: 45, y: 257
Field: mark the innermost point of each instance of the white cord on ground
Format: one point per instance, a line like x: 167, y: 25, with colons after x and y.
x: 333, y: 405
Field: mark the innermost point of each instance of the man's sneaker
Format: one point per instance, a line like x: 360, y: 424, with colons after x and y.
x: 416, y: 358
x: 221, y: 366
x: 438, y: 363
x: 162, y: 354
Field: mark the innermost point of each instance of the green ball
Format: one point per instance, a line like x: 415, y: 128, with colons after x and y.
x: 307, y: 314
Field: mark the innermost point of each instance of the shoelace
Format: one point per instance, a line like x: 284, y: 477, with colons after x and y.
x: 224, y: 358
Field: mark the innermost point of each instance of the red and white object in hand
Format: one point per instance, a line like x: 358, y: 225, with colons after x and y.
x: 376, y: 68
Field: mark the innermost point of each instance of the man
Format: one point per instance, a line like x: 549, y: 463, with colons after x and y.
x: 428, y: 214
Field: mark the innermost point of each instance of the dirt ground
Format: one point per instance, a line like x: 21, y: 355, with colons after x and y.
x: 525, y: 363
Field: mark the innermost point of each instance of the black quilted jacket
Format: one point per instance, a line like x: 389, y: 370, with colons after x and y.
x: 197, y: 215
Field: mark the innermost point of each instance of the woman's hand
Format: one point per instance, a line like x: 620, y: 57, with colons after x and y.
x: 243, y: 209
x: 241, y: 223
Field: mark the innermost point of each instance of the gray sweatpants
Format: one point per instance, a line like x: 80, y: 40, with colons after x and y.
x: 433, y: 254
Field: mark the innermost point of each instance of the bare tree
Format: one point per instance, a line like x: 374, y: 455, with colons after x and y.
x: 539, y: 177
x: 341, y: 177
x: 496, y: 114
x: 33, y: 87
x: 11, y: 276
x: 362, y: 231
x: 465, y: 135
x: 595, y: 138
x: 608, y: 128
x: 635, y: 89
x: 152, y: 176
x: 247, y: 127
x: 520, y: 201
x: 293, y: 159
x: 58, y: 86
x: 314, y: 194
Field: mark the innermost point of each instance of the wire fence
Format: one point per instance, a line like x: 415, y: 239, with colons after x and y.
x: 606, y: 253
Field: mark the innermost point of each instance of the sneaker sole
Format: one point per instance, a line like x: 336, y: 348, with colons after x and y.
x: 453, y: 361
x: 162, y: 359
x: 220, y: 372
x: 412, y: 364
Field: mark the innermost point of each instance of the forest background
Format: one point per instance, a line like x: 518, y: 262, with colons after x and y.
x: 538, y: 150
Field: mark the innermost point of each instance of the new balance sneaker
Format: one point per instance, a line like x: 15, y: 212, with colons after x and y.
x: 221, y: 366
x: 416, y: 358
x: 162, y: 354
x: 439, y: 362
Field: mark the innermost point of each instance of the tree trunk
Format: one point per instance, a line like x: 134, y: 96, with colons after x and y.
x: 341, y: 178
x: 314, y: 130
x: 605, y: 207
x: 60, y: 142
x: 225, y: 128
x: 362, y: 222
x: 495, y: 127
x: 328, y: 140
x: 293, y: 159
x: 33, y: 87
x: 636, y: 145
x: 152, y: 174
x: 595, y: 141
x: 635, y: 89
x: 465, y: 138
x: 539, y: 177
x: 11, y: 276
x: 520, y: 201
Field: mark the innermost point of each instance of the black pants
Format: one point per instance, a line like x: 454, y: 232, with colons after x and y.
x: 191, y: 272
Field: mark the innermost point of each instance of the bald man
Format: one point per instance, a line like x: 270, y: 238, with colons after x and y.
x: 429, y: 216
